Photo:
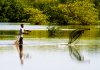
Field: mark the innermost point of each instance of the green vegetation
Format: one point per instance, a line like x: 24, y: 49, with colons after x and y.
x: 11, y: 11
x: 52, y: 12
x: 35, y: 16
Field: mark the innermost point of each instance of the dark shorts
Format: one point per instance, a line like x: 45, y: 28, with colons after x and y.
x: 21, y: 44
x: 21, y: 40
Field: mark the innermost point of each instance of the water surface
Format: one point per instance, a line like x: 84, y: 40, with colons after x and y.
x: 46, y: 53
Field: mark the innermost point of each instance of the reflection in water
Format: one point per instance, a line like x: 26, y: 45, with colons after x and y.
x: 20, y: 51
x: 74, y: 35
x: 75, y: 53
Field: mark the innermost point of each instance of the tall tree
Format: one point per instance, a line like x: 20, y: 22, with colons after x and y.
x: 97, y: 6
x: 11, y: 11
x: 36, y: 16
x: 4, y: 5
x: 78, y: 12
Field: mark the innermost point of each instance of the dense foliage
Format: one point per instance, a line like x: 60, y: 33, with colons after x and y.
x: 59, y: 12
x: 35, y: 16
x: 11, y: 11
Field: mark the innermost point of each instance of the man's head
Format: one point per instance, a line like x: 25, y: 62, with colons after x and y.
x: 22, y: 25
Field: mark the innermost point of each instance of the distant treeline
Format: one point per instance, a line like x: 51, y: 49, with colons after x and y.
x: 52, y: 12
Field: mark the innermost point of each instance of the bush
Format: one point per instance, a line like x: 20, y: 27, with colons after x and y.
x: 78, y: 12
x: 36, y: 17
x: 11, y: 11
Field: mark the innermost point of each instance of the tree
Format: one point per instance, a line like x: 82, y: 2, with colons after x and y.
x: 3, y: 10
x: 97, y: 6
x: 16, y: 12
x: 35, y: 16
x: 66, y: 1
x: 78, y: 12
x: 11, y: 11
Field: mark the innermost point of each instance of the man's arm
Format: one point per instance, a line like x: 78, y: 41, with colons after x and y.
x: 26, y: 31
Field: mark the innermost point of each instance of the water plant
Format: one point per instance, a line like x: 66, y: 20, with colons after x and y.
x: 52, y: 30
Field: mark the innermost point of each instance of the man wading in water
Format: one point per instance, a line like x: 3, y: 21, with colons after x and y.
x: 21, y: 32
x: 19, y: 42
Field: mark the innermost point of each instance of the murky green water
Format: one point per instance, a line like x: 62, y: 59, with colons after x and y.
x: 42, y: 52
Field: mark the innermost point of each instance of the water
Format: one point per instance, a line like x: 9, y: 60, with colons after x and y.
x: 46, y: 58
x: 45, y: 53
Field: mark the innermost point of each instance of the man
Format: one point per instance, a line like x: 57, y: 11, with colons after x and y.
x: 19, y: 41
x: 21, y: 32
